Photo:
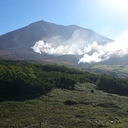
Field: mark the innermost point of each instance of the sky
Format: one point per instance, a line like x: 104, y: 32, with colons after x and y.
x: 106, y: 17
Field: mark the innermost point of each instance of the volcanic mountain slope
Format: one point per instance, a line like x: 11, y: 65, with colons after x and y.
x: 18, y: 44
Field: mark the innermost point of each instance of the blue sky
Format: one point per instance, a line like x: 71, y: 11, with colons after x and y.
x: 107, y: 17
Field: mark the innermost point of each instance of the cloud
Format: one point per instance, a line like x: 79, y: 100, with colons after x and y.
x: 77, y: 45
x: 42, y: 47
x: 118, y: 48
x: 59, y: 46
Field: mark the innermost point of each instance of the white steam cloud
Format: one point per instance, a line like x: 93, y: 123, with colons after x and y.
x: 77, y: 45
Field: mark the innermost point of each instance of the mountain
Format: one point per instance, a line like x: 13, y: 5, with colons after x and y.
x: 18, y: 44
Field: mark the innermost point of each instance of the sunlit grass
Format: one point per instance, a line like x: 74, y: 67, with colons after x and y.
x: 90, y: 109
x: 113, y: 70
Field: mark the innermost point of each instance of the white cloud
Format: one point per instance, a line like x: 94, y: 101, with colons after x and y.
x: 77, y: 45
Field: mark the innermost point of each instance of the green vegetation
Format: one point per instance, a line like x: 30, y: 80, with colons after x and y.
x: 113, y: 85
x: 60, y: 97
x: 120, y: 71
x: 22, y: 80
x: 79, y: 108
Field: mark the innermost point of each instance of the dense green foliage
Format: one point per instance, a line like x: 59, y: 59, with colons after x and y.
x: 24, y: 80
x: 113, y: 85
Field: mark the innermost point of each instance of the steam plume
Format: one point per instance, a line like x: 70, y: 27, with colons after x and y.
x: 77, y: 45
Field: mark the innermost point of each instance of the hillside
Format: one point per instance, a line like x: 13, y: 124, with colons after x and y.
x: 58, y: 96
x: 85, y: 106
x: 22, y: 80
x: 114, y: 70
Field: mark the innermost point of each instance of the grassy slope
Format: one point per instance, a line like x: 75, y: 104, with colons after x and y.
x: 88, y: 109
x: 113, y: 70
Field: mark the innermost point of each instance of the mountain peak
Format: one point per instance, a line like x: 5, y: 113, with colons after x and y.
x: 20, y: 42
